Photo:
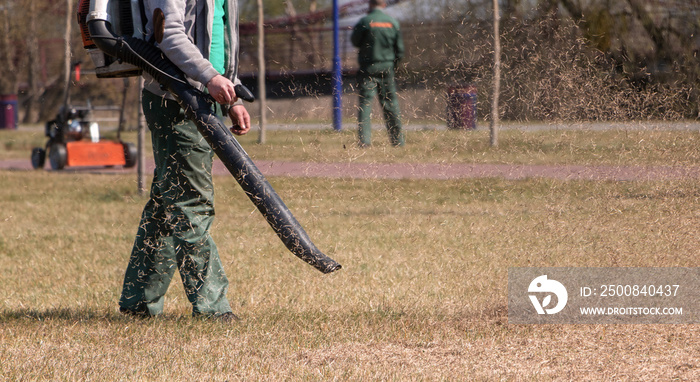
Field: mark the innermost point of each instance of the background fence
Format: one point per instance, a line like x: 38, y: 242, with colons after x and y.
x: 610, y: 60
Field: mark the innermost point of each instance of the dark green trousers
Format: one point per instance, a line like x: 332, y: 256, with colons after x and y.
x: 379, y: 84
x: 174, y: 230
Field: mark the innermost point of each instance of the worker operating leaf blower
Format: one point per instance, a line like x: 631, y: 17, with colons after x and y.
x: 113, y: 34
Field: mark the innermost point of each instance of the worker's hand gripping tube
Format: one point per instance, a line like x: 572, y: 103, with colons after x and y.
x: 198, y: 109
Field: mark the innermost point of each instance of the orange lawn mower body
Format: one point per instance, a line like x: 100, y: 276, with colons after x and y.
x: 67, y: 146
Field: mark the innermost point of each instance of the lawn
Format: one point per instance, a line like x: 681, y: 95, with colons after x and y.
x: 633, y: 147
x: 422, y: 292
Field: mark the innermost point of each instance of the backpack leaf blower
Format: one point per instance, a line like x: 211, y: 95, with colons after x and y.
x: 113, y: 35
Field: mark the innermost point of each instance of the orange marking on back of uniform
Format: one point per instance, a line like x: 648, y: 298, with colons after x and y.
x: 377, y: 24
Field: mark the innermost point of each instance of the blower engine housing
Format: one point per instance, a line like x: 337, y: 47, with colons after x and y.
x: 126, y: 18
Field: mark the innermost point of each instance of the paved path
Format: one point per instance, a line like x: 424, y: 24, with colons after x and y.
x: 428, y: 170
x: 453, y: 170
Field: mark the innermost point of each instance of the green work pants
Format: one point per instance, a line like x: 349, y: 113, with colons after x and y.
x: 382, y: 84
x: 174, y: 228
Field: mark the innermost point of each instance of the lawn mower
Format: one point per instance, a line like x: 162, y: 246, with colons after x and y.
x: 69, y: 146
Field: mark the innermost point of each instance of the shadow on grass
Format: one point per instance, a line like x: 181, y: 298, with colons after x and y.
x: 281, y: 319
x: 73, y: 315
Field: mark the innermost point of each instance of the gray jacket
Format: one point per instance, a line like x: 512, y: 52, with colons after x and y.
x: 186, y: 39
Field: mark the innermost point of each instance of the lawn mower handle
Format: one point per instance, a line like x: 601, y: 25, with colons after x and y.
x: 197, y: 107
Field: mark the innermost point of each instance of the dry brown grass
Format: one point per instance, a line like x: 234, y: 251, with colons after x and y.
x: 422, y: 295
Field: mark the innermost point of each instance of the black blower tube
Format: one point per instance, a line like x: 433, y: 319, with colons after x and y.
x: 198, y: 109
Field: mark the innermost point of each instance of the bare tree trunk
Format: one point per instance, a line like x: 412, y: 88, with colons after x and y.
x: 574, y: 10
x: 34, y: 67
x: 654, y: 32
x: 122, y: 111
x: 67, y: 53
x: 294, y: 33
x: 496, y: 74
x: 512, y: 8
x: 261, y: 72
x: 8, y: 84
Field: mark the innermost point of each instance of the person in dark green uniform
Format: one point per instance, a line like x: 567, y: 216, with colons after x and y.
x: 381, y: 47
x: 201, y: 38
